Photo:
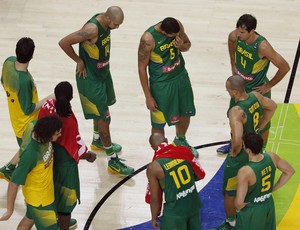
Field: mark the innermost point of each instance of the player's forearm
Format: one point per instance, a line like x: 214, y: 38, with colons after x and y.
x: 287, y: 172
x: 155, y: 206
x: 268, y: 114
x: 280, y: 74
x: 240, y: 205
x: 11, y: 196
x: 185, y: 46
x: 69, y: 50
x: 145, y: 83
x: 283, y: 179
x: 236, y: 142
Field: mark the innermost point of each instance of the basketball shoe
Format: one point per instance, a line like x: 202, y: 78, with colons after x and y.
x: 225, y: 149
x: 73, y: 223
x: 183, y: 142
x: 97, y: 145
x: 115, y: 165
x: 225, y: 226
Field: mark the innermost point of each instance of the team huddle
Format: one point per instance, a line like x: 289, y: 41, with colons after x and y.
x: 50, y: 145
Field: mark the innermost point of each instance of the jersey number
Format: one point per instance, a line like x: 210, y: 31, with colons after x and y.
x: 179, y: 177
x: 172, y: 53
x: 255, y: 120
x: 243, y: 62
x: 266, y: 184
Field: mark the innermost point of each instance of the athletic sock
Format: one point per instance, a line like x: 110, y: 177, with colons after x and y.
x: 180, y: 136
x: 231, y: 220
x: 110, y: 152
x: 95, y: 132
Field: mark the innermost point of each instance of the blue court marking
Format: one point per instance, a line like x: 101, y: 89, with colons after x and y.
x: 212, y: 213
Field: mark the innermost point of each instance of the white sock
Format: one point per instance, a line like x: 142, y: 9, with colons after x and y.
x: 232, y: 223
x: 96, y: 136
x: 114, y: 155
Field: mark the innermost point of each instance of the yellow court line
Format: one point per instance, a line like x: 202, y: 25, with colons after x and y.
x: 289, y: 221
x: 297, y: 107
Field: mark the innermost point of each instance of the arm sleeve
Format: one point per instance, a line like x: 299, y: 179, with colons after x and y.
x: 25, y: 95
x: 25, y: 165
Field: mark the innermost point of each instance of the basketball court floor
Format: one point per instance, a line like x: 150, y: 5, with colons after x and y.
x: 112, y: 202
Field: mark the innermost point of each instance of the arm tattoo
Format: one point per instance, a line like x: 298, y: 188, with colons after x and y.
x: 244, y: 115
x: 83, y: 34
x: 142, y: 53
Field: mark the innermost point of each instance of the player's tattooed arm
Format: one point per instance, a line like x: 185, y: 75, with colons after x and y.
x: 83, y: 34
x: 144, y: 51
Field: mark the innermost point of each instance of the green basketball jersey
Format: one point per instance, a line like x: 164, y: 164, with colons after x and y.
x: 96, y: 56
x: 250, y: 66
x: 35, y: 170
x: 253, y: 110
x: 21, y: 95
x: 181, y: 196
x: 264, y: 171
x: 166, y: 61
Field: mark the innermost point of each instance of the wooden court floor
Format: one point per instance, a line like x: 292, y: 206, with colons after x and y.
x: 207, y: 23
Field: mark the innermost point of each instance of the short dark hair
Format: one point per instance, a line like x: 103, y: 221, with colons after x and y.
x: 24, y: 49
x: 254, y: 142
x: 237, y: 83
x: 247, y: 22
x: 63, y: 93
x: 46, y: 127
x: 170, y: 25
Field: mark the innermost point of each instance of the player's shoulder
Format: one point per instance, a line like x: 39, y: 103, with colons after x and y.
x: 236, y: 110
x: 233, y: 35
x: 147, y: 36
x: 10, y: 59
x: 257, y: 94
x: 273, y: 156
x: 245, y: 171
x: 90, y: 28
x: 147, y: 41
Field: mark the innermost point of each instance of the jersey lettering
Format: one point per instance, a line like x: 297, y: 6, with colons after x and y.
x: 105, y: 40
x: 167, y: 46
x: 244, y: 52
x: 181, y: 176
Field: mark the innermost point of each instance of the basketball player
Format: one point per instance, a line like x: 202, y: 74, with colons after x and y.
x: 22, y: 96
x: 68, y: 150
x: 174, y: 171
x: 94, y: 81
x: 34, y: 172
x: 252, y: 112
x: 168, y: 91
x: 250, y: 56
x: 256, y: 184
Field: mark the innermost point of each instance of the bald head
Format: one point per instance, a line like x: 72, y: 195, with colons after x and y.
x: 236, y: 82
x: 115, y: 13
x: 156, y: 139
